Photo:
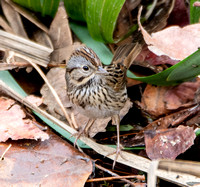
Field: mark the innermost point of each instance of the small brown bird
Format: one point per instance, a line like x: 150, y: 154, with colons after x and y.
x: 97, y: 91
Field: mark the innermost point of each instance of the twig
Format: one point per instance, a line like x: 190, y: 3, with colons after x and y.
x: 114, y: 178
x: 2, y: 156
x: 37, y: 68
x: 52, y: 90
x: 24, y: 64
x: 152, y: 177
x: 115, y: 175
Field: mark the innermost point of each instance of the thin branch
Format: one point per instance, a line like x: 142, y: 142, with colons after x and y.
x: 37, y: 68
x: 53, y: 92
x: 115, y: 178
x: 2, y: 156
x: 13, y: 65
x: 114, y: 174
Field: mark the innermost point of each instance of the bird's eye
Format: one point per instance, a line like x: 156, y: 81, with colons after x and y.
x: 85, y: 68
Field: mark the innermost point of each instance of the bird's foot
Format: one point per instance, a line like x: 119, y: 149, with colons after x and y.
x: 117, y: 152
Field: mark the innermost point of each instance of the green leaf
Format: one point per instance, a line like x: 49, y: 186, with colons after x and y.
x: 197, y: 132
x: 101, y: 17
x: 182, y: 71
x: 186, y: 69
x: 122, y: 128
x: 194, y: 12
x: 45, y: 7
x: 99, y: 48
x: 129, y: 148
x: 76, y: 9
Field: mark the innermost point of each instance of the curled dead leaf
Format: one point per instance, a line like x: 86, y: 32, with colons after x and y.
x: 174, y: 42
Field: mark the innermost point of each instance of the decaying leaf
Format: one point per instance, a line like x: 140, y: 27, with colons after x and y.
x: 173, y: 119
x: 174, y: 42
x: 168, y: 143
x: 56, y: 77
x: 152, y: 100
x: 34, y: 100
x: 162, y: 100
x: 61, y: 37
x: 14, y: 123
x: 182, y: 95
x: 14, y: 19
x: 152, y: 59
x: 53, y: 162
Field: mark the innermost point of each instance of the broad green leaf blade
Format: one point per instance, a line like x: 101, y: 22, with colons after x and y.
x: 165, y: 78
x: 94, y: 10
x: 76, y: 9
x: 99, y: 48
x: 186, y: 69
x: 101, y: 17
x: 194, y: 12
x: 45, y: 7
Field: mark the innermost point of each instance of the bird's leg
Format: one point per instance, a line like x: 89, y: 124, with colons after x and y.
x: 117, y: 152
x: 83, y: 130
x: 116, y: 120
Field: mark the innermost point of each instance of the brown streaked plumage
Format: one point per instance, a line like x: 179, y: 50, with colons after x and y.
x: 97, y: 91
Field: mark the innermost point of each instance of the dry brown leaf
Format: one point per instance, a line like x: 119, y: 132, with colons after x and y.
x: 153, y: 100
x: 162, y: 100
x: 61, y: 37
x: 56, y: 77
x: 173, y: 119
x: 60, y: 32
x: 5, y: 25
x: 53, y: 162
x: 42, y: 38
x: 182, y: 95
x: 14, y: 19
x: 34, y: 100
x: 14, y: 123
x: 175, y: 42
x: 168, y: 143
x: 146, y: 56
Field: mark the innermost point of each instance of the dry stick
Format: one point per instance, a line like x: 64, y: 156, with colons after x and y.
x: 50, y: 87
x: 53, y: 92
x: 2, y: 156
x: 114, y: 178
x: 152, y: 177
x: 131, y: 160
x: 114, y: 174
x: 24, y: 64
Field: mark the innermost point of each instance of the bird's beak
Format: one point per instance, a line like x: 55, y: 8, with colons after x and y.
x: 101, y: 70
